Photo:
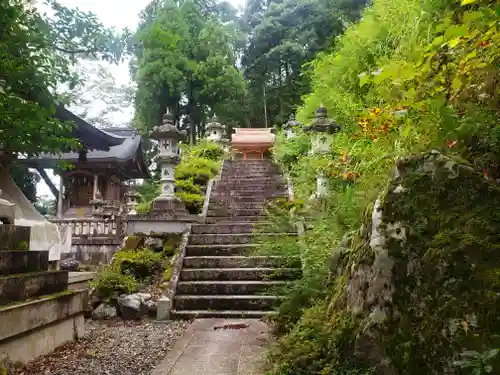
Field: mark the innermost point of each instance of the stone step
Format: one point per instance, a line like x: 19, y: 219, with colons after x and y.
x: 250, y: 192
x: 17, y: 288
x: 229, y: 239
x: 14, y: 237
x: 220, y: 205
x: 220, y: 250
x: 19, y: 261
x: 234, y: 219
x: 208, y: 314
x: 255, y: 274
x: 240, y: 261
x: 238, y: 228
x: 237, y: 186
x: 229, y: 197
x: 241, y: 302
x: 234, y: 212
x: 228, y: 287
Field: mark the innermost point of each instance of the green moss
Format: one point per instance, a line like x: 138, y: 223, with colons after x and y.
x: 133, y: 242
x: 39, y: 298
x: 167, y: 273
x: 23, y: 246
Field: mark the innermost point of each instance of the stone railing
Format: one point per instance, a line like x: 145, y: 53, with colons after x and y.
x: 91, y: 227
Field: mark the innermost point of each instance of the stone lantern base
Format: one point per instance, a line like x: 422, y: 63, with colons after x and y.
x: 169, y: 205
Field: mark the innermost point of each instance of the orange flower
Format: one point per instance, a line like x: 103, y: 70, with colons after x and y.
x: 344, y: 158
x: 376, y: 111
x: 452, y: 144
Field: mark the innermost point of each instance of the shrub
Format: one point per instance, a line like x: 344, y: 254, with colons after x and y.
x: 111, y: 283
x: 207, y: 150
x: 138, y: 263
x: 198, y: 169
x: 193, y: 202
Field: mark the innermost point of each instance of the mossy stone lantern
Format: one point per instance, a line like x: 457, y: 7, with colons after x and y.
x: 168, y: 137
x: 215, y: 132
x: 322, y: 129
x: 290, y: 126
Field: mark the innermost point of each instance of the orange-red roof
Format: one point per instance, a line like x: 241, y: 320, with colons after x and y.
x: 245, y: 137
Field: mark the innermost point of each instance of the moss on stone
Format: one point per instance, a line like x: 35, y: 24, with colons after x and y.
x: 133, y: 242
x: 419, y: 284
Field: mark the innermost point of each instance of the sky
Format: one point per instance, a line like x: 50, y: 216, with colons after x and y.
x: 118, y: 14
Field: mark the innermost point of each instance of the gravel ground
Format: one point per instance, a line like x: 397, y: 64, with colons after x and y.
x: 110, y: 348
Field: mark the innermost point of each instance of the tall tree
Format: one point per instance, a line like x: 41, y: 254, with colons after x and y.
x: 282, y: 37
x: 186, y: 62
x: 36, y: 53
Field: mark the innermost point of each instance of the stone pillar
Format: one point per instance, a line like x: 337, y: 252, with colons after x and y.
x: 322, y: 130
x: 96, y: 185
x: 290, y: 126
x: 60, y: 198
x: 168, y: 137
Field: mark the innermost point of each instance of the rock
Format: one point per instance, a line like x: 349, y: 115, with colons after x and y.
x: 104, y: 311
x: 133, y: 306
x: 419, y: 279
x: 152, y: 307
x: 154, y: 243
x: 69, y: 264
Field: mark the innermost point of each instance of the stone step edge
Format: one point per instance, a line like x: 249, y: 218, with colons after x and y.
x: 244, y: 234
x: 228, y: 296
x: 232, y: 269
x: 190, y: 314
x: 208, y: 257
x: 233, y: 282
x: 238, y: 245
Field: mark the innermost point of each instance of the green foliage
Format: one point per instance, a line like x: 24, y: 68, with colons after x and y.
x: 111, y: 283
x: 282, y: 37
x: 478, y: 363
x: 410, y: 76
x: 207, y: 150
x: 138, y: 263
x: 183, y: 55
x: 197, y: 169
x: 36, y: 54
x: 193, y: 202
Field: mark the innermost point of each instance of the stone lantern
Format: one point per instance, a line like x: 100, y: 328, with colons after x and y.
x: 322, y: 138
x: 322, y: 129
x: 168, y: 137
x: 290, y: 126
x: 132, y: 199
x: 215, y: 132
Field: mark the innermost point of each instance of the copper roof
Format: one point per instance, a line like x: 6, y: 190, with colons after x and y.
x: 252, y: 137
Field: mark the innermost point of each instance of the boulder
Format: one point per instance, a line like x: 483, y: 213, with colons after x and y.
x: 133, y: 306
x: 69, y: 264
x: 154, y: 243
x: 420, y: 281
x: 104, y: 311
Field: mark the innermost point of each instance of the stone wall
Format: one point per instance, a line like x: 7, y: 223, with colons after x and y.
x: 92, y: 251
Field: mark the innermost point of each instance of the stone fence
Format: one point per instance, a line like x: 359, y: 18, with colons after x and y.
x: 94, y: 228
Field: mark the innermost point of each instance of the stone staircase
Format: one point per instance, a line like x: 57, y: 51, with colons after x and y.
x: 37, y: 311
x: 220, y: 277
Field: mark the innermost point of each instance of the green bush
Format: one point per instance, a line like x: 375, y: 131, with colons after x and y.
x: 207, y: 150
x: 198, y: 169
x: 138, y: 263
x: 111, y: 283
x: 193, y: 202
x: 188, y: 186
x: 144, y: 208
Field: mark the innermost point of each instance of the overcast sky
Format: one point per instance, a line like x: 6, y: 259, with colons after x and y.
x: 118, y: 14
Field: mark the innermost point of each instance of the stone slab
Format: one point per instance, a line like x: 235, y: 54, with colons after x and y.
x: 32, y: 315
x: 45, y: 340
x: 205, y: 351
x: 19, y: 261
x: 13, y: 236
x: 22, y: 287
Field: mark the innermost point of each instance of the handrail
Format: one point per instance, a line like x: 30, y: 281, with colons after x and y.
x: 93, y: 227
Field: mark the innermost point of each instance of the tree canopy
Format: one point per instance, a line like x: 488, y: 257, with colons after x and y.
x: 185, y: 61
x: 36, y: 54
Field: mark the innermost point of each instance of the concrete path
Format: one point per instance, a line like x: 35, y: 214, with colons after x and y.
x: 205, y: 351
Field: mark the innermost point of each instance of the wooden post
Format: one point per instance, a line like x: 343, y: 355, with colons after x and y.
x: 96, y: 182
x: 60, y: 196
